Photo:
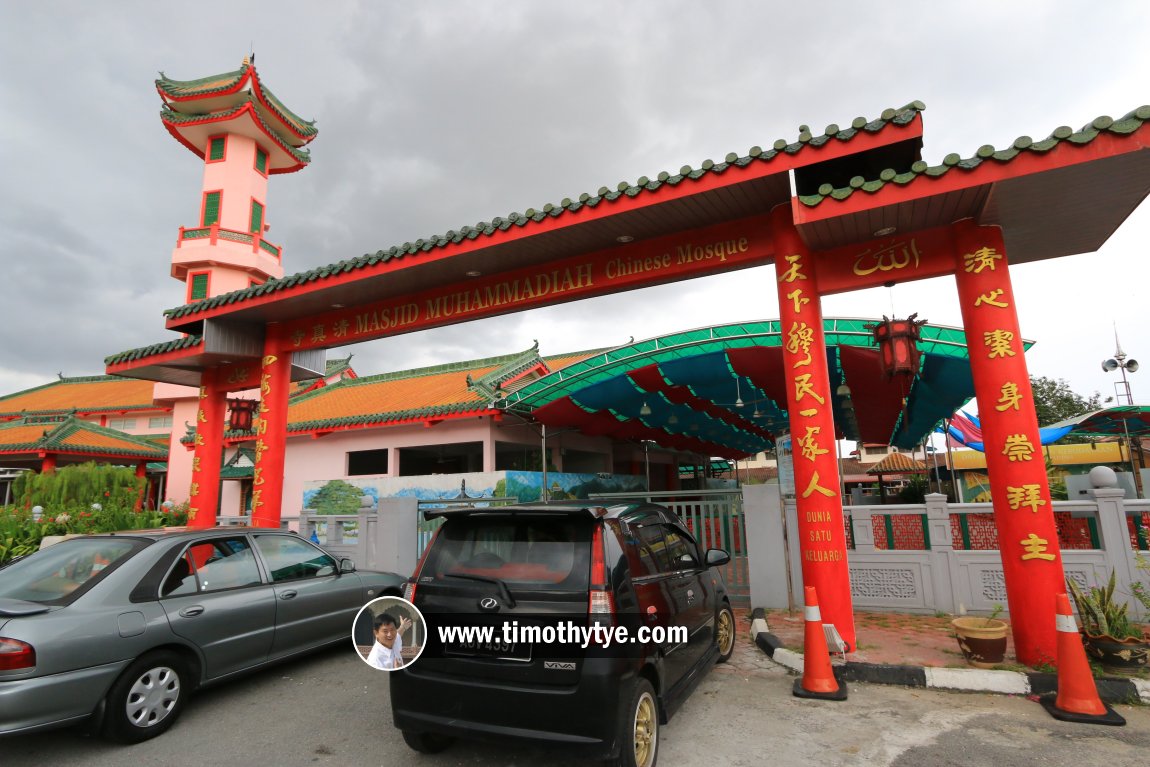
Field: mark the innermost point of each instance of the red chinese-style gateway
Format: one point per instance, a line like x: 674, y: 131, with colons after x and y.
x: 868, y: 211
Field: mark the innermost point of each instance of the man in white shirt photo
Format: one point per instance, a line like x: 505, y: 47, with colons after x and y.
x: 387, y: 651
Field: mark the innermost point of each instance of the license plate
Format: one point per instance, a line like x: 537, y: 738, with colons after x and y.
x: 497, y: 649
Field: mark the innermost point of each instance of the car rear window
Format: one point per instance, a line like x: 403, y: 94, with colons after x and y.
x: 526, y: 552
x: 60, y: 573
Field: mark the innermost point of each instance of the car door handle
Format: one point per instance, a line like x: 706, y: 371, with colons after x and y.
x: 191, y: 612
x: 290, y: 594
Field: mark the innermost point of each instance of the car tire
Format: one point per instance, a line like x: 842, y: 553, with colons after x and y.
x: 639, y: 728
x: 725, y: 633
x: 427, y: 742
x: 147, y: 698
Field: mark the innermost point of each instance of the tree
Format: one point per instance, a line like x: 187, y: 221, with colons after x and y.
x: 1055, y: 401
x: 337, y: 497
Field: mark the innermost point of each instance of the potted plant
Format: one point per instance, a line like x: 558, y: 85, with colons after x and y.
x: 1110, y: 636
x: 982, y: 640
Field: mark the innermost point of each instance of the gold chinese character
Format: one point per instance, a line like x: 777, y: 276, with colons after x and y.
x: 998, y: 341
x: 203, y: 392
x: 297, y: 337
x: 261, y: 446
x: 991, y: 299
x: 257, y: 476
x: 1035, y: 548
x: 983, y: 258
x: 795, y: 270
x: 799, y: 340
x: 256, y: 502
x: 239, y: 375
x: 198, y: 439
x: 1027, y: 495
x: 194, y: 489
x: 799, y: 299
x: 317, y: 333
x: 814, y: 487
x: 339, y: 329
x: 810, y: 412
x: 803, y: 387
x: 262, y: 426
x: 195, y: 463
x: 266, y: 384
x: 1018, y: 447
x: 192, y: 511
x: 810, y: 445
x: 269, y: 359
x: 1008, y: 397
x: 200, y: 416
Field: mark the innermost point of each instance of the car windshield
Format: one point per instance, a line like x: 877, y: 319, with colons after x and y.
x: 54, y: 574
x: 524, y: 552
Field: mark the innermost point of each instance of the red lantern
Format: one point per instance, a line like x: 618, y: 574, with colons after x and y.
x: 240, y: 417
x: 898, y: 344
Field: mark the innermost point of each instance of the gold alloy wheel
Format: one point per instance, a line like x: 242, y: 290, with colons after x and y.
x: 726, y: 631
x: 645, y: 731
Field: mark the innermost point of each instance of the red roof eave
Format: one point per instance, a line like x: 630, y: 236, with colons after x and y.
x: 781, y: 163
x: 987, y: 172
x: 120, y: 368
x: 213, y: 94
x: 426, y: 421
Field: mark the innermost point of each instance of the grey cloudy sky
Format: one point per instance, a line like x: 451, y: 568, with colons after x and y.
x: 435, y: 115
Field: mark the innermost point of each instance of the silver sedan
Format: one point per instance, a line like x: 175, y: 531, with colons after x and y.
x: 117, y: 630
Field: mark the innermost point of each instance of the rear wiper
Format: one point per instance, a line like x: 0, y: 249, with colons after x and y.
x: 503, y: 590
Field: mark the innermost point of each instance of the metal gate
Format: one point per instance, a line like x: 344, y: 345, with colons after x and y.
x: 715, y: 518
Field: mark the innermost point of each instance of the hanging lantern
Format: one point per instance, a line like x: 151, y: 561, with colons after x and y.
x: 241, y: 412
x: 898, y: 344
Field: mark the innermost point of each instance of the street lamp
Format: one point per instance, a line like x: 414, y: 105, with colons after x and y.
x: 1120, y: 362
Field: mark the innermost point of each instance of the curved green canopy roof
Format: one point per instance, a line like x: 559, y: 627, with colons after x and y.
x: 721, y: 390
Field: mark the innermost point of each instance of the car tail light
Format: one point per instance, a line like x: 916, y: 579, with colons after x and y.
x: 15, y: 654
x: 600, y: 602
x: 409, y: 587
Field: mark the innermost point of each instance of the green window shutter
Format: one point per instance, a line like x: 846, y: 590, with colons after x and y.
x: 261, y: 160
x: 257, y: 218
x: 216, y: 149
x: 211, y: 209
x: 199, y: 286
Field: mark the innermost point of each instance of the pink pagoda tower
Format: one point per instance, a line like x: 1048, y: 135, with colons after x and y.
x: 243, y: 134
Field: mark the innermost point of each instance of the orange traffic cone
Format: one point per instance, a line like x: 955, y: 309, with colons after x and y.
x: 818, y: 679
x: 1077, y: 698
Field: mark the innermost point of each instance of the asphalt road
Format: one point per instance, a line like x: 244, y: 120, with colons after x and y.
x: 330, y: 709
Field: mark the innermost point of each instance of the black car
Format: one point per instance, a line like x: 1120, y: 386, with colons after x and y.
x: 519, y: 601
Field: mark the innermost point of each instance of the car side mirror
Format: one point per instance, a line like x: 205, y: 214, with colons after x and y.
x: 346, y: 565
x: 717, y: 557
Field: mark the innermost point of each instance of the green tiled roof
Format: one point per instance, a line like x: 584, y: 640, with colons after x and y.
x: 182, y: 88
x: 903, y: 116
x: 186, y: 342
x: 54, y: 436
x: 986, y: 153
x: 172, y: 117
x: 223, y: 82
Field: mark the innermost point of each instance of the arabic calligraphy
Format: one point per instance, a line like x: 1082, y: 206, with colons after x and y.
x: 897, y: 255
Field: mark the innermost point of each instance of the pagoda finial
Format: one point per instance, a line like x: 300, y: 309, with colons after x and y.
x: 247, y: 61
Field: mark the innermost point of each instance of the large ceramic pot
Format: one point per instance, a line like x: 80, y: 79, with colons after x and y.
x: 1118, y: 656
x: 982, y: 640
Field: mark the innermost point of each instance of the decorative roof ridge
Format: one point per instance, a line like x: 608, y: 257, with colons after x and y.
x: 171, y: 87
x: 510, y: 369
x: 164, y: 347
x: 303, y: 128
x: 400, y: 375
x: 1127, y: 124
x: 586, y: 353
x: 902, y: 116
x: 171, y: 117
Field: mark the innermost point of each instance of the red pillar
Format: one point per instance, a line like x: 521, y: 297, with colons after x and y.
x: 204, y: 492
x: 271, y: 435
x: 141, y: 473
x: 48, y: 463
x: 820, y: 508
x: 1023, y: 514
